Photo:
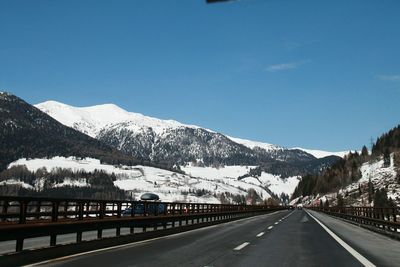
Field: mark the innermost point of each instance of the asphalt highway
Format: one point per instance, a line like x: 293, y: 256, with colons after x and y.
x: 285, y: 238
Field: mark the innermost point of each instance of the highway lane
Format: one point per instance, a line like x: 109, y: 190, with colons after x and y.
x: 283, y: 238
x: 378, y: 248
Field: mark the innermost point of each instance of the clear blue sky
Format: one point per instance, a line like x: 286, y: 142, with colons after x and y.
x: 316, y: 74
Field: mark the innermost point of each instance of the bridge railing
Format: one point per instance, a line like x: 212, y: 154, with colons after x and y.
x: 387, y: 219
x: 22, y: 218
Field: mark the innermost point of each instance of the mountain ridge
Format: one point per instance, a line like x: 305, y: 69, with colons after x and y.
x: 87, y: 121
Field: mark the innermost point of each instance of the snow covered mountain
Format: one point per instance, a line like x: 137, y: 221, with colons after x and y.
x: 25, y: 131
x: 167, y: 140
x: 91, y: 120
x: 322, y: 154
x: 201, y: 165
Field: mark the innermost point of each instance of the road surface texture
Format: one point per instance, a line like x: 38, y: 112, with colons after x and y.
x: 285, y: 238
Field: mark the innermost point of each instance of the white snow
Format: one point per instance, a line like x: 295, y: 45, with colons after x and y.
x: 380, y: 176
x: 169, y: 185
x: 322, y: 154
x: 73, y: 182
x: 254, y: 144
x: 279, y: 185
x: 230, y: 174
x: 91, y: 120
x: 16, y: 182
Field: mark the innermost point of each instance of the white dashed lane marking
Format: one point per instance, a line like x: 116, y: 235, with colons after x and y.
x: 245, y: 244
x: 269, y: 228
x: 261, y: 234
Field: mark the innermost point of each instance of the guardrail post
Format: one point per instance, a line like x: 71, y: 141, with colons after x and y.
x: 66, y: 209
x: 99, y: 233
x: 53, y: 240
x: 54, y: 218
x: 38, y: 206
x: 19, y: 245
x: 79, y: 237
x: 156, y: 210
x: 198, y: 211
x: 54, y: 211
x: 118, y: 231
x: 5, y: 208
x: 102, y: 210
x: 132, y: 228
x: 180, y: 212
x: 23, y: 205
x: 119, y: 210
x: 81, y: 208
x: 145, y: 208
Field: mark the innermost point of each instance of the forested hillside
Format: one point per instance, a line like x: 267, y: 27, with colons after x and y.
x: 347, y: 170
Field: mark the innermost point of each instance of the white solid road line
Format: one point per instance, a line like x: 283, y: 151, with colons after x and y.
x: 269, y: 228
x: 245, y: 244
x: 261, y: 234
x: 351, y: 250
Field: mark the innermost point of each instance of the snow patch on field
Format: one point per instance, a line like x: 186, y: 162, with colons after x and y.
x: 227, y: 172
x: 230, y: 175
x: 198, y: 185
x: 16, y: 182
x: 278, y: 185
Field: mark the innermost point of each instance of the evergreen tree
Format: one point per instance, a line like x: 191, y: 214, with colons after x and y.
x: 364, y: 151
x: 340, y: 200
x: 381, y: 199
x: 371, y: 191
x: 386, y: 158
x: 326, y: 204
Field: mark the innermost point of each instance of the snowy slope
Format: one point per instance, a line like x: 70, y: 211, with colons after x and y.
x: 91, y: 120
x: 169, y: 185
x: 381, y: 177
x: 253, y: 144
x: 322, y: 154
x: 229, y: 174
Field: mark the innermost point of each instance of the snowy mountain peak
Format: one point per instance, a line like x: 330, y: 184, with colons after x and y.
x: 254, y: 144
x: 166, y: 140
x: 91, y: 120
x: 322, y: 154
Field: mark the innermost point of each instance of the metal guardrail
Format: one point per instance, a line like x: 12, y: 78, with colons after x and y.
x: 30, y: 217
x: 387, y: 219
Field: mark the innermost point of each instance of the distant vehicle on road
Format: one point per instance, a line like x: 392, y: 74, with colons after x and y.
x: 149, y: 205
